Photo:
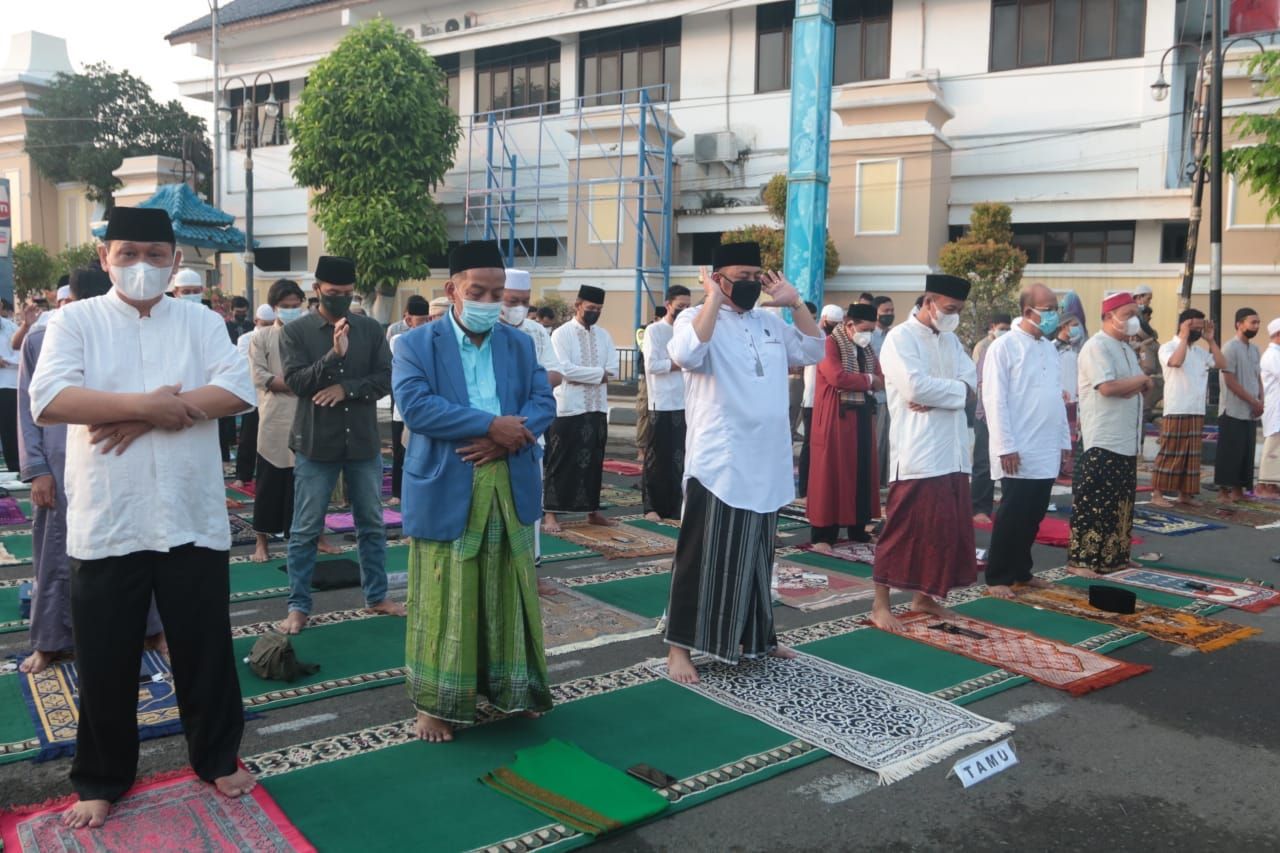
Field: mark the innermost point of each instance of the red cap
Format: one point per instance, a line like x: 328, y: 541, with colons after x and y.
x: 1116, y: 300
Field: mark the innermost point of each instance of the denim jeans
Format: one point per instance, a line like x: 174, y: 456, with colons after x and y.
x: 313, y: 484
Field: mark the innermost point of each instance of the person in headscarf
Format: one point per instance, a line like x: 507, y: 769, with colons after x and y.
x: 1069, y: 339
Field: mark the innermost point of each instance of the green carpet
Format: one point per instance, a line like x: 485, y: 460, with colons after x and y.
x: 18, y: 739
x: 251, y: 581
x: 10, y: 615
x: 621, y: 728
x: 20, y: 545
x: 835, y: 564
x: 645, y: 595
x: 557, y: 550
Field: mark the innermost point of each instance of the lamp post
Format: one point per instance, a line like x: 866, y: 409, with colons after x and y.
x: 248, y: 128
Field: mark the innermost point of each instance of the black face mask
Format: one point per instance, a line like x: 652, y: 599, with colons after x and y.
x: 745, y: 294
x: 1250, y: 333
x: 1195, y: 336
x: 589, y: 318
x: 675, y: 312
x: 335, y: 306
x: 885, y: 320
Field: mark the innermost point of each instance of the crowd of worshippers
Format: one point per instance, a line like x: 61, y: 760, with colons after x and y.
x: 500, y: 427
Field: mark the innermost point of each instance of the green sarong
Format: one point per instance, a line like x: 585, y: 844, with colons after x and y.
x: 474, y: 625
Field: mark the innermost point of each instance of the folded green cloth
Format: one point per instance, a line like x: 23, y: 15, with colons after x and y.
x: 569, y: 786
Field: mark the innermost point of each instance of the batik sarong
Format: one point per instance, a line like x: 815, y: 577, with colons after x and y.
x: 474, y: 626
x: 664, y: 465
x: 574, y: 463
x: 927, y: 544
x: 1102, y: 495
x: 1177, y: 466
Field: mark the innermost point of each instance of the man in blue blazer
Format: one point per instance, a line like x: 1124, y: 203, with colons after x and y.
x: 474, y: 401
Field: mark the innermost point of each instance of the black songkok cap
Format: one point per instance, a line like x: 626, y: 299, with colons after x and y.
x: 417, y: 306
x: 139, y: 225
x: 861, y: 311
x: 736, y: 255
x: 947, y: 285
x: 587, y: 293
x: 86, y: 283
x: 1113, y: 599
x: 334, y: 269
x: 477, y: 255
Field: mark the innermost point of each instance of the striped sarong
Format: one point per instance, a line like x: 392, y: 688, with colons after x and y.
x: 721, y: 604
x: 1177, y: 466
x: 474, y: 625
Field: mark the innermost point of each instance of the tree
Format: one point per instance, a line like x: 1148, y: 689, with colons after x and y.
x: 34, y: 270
x: 373, y: 137
x: 90, y: 122
x: 1259, y: 164
x: 986, y: 256
x: 74, y: 257
x: 772, y: 240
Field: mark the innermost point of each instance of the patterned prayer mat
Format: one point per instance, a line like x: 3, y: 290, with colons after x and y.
x: 1159, y: 623
x: 170, y: 813
x: 241, y: 531
x: 1151, y: 520
x: 803, y: 557
x: 642, y: 589
x: 1049, y: 662
x: 1053, y: 531
x: 626, y: 469
x: 1238, y: 594
x: 611, y: 496
x: 557, y: 550
x: 874, y: 724
x: 616, y: 543
x: 796, y: 511
x: 238, y: 497
x: 19, y: 544
x: 809, y: 589
x: 572, y: 621
x: 853, y: 552
x: 11, y: 512
x: 1214, y: 511
x: 345, y: 522
x: 8, y: 558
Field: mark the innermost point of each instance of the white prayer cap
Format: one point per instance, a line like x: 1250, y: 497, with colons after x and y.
x: 64, y: 292
x: 1142, y: 290
x: 832, y: 313
x: 266, y: 313
x: 518, y: 280
x: 188, y: 278
x: 1273, y: 328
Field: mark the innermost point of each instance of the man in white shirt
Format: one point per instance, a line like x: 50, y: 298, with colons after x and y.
x: 1186, y: 383
x: 735, y: 358
x: 187, y: 285
x: 927, y: 543
x: 1240, y: 404
x: 1112, y: 383
x: 9, y: 357
x: 1022, y: 400
x: 1269, y: 470
x: 145, y: 378
x: 577, y: 437
x: 663, y: 479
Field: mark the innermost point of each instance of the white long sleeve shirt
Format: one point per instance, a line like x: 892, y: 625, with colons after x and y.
x: 542, y: 347
x: 1022, y: 396
x: 167, y: 489
x: 931, y: 369
x: 1271, y: 390
x: 11, y: 356
x: 664, y: 380
x: 737, y: 404
x: 586, y: 356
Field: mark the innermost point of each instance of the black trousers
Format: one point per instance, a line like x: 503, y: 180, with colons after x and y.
x: 226, y: 436
x: 109, y: 602
x: 806, y: 417
x: 1022, y: 507
x: 9, y: 427
x: 982, y: 490
x: 663, y: 480
x: 397, y: 457
x: 1233, y: 466
x: 247, y: 449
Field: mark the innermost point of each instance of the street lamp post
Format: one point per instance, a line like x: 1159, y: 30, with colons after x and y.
x: 248, y: 129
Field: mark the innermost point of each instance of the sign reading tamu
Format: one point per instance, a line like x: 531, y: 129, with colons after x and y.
x: 6, y: 243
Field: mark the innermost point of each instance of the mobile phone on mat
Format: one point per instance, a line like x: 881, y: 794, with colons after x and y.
x: 651, y: 776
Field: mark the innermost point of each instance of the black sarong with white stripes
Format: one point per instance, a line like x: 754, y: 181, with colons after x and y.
x: 721, y: 604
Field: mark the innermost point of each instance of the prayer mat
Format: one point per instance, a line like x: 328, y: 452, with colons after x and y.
x: 853, y: 552
x: 20, y: 545
x: 875, y: 724
x: 238, y: 497
x: 11, y: 512
x: 8, y: 558
x: 642, y: 589
x: 566, y: 784
x: 1216, y: 512
x: 1053, y: 531
x: 11, y: 618
x: 178, y: 813
x: 1159, y: 623
x: 53, y: 698
x: 626, y: 469
x: 345, y: 522
x: 557, y: 550
x: 242, y: 532
x: 1249, y: 597
x: 611, y: 496
x: 801, y: 556
x: 571, y: 621
x: 615, y: 543
x: 1049, y: 662
x: 796, y: 511
x: 809, y: 589
x: 1151, y: 520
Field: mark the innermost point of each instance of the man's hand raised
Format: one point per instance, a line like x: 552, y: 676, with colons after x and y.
x: 340, y: 340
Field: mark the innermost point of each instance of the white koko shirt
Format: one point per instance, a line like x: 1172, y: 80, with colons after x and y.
x: 585, y: 356
x: 664, y: 380
x: 1271, y: 390
x: 542, y: 347
x: 1186, y: 387
x: 1022, y: 397
x: 931, y: 369
x: 167, y: 489
x: 738, y: 423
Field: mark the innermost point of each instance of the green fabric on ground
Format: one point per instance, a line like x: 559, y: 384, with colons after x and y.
x: 1044, y: 623
x: 554, y: 549
x: 20, y: 545
x: 10, y: 612
x: 16, y: 726
x: 1150, y: 596
x: 620, y: 728
x: 646, y: 595
x: 822, y: 561
x: 568, y: 785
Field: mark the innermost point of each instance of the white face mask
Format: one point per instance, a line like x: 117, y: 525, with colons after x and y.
x: 862, y: 339
x: 514, y: 315
x: 190, y: 297
x: 946, y: 322
x: 287, y: 314
x: 141, y: 281
x: 998, y: 332
x: 1132, y: 326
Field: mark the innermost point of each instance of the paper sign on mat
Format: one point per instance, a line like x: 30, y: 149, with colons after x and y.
x: 985, y: 764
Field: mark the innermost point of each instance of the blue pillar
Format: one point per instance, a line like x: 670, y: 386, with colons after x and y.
x: 808, y: 173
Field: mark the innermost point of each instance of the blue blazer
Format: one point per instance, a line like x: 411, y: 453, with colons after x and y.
x: 431, y: 394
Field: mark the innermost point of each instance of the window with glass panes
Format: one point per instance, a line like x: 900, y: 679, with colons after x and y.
x: 628, y: 59
x: 1027, y: 33
x: 1075, y: 242
x: 861, y: 49
x: 449, y: 65
x: 267, y: 130
x: 519, y: 77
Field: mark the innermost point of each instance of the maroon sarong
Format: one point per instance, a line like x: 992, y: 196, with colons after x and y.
x: 927, y: 544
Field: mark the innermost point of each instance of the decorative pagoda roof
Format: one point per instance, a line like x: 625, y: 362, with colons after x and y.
x: 195, y: 222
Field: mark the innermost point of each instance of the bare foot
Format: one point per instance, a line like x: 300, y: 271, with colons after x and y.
x: 680, y: 666
x: 982, y: 518
x: 928, y: 604
x: 783, y: 652
x: 294, y: 623
x: 598, y: 519
x: 90, y: 813
x: 393, y: 501
x: 1037, y: 583
x: 324, y: 547
x: 37, y: 661
x: 652, y: 516
x: 1082, y: 572
x: 262, y: 552
x: 883, y: 618
x: 158, y: 644
x: 1001, y: 591
x: 821, y: 548
x: 1161, y: 501
x: 546, y: 587
x: 1191, y: 502
x: 549, y: 523
x: 432, y: 729
x: 237, y: 484
x: 387, y: 607
x: 237, y: 784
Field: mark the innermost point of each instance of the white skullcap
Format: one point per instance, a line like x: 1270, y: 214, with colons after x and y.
x: 1142, y: 290
x: 266, y: 313
x: 64, y: 292
x: 832, y: 313
x: 1273, y: 328
x: 188, y: 278
x: 518, y: 280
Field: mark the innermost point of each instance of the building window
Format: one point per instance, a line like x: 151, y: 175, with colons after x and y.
x: 267, y: 130
x: 273, y: 258
x: 628, y: 59
x: 449, y: 65
x: 1248, y: 209
x: 531, y: 247
x: 1027, y: 33
x: 1173, y: 243
x: 1075, y: 242
x: 877, y: 196
x: 861, y: 49
x: 523, y: 78
x: 604, y: 214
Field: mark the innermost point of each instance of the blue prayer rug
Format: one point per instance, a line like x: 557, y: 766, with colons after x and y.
x: 1151, y: 520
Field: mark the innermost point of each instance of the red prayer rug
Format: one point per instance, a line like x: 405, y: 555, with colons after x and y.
x: 853, y: 552
x: 1047, y: 661
x: 169, y: 813
x: 1242, y: 595
x: 626, y: 469
x: 807, y: 588
x: 1053, y: 531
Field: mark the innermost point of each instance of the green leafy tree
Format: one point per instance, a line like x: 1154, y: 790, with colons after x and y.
x: 74, y: 257
x: 986, y: 256
x: 34, y: 270
x: 772, y: 239
x: 1258, y: 165
x: 90, y: 122
x: 373, y: 137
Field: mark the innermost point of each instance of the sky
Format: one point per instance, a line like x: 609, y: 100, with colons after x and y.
x: 98, y: 32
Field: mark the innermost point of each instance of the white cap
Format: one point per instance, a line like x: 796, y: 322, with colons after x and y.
x: 1142, y: 290
x: 1273, y: 328
x: 266, y: 313
x: 832, y: 313
x: 64, y: 292
x: 518, y: 280
x: 188, y: 278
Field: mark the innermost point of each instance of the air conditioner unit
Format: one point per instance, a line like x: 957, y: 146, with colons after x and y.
x: 719, y: 147
x: 581, y: 4
x: 452, y: 25
x: 470, y: 20
x: 425, y: 30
